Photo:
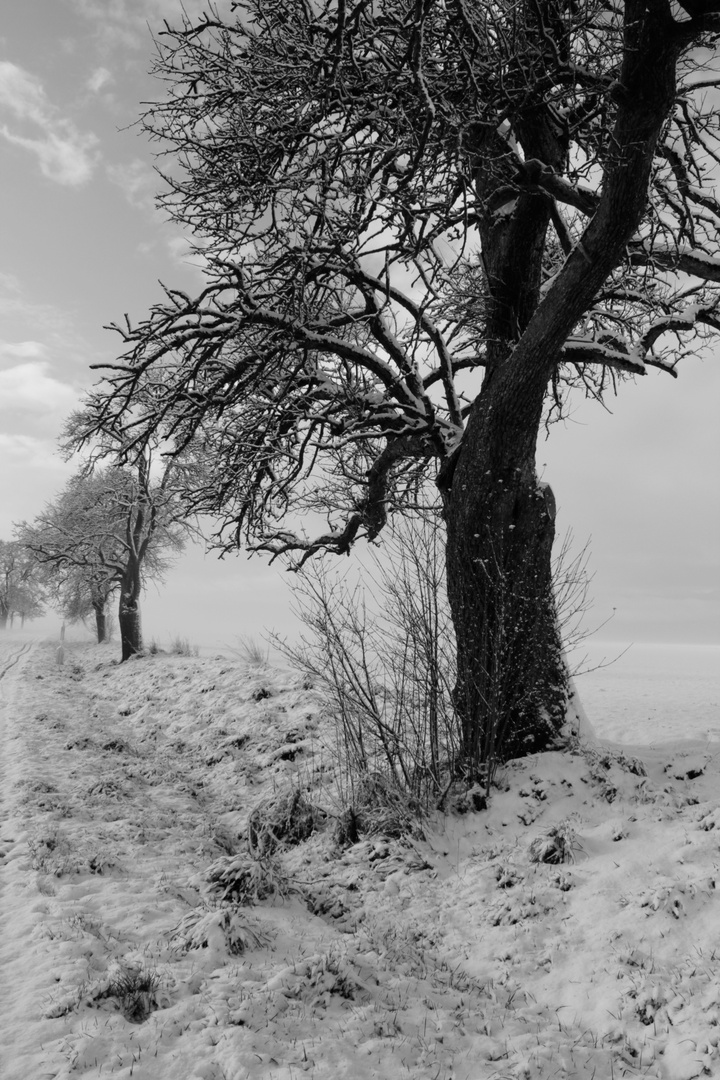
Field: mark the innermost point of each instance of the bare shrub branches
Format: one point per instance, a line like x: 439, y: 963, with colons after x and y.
x: 387, y: 665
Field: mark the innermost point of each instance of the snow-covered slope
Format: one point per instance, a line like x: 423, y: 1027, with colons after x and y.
x: 129, y: 947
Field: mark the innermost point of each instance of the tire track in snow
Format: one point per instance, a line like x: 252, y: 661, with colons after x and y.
x: 11, y: 655
x: 11, y: 663
x: 7, y: 663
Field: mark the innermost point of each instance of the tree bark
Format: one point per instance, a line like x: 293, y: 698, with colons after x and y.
x: 100, y: 622
x: 129, y: 612
x: 511, y: 691
x: 511, y: 683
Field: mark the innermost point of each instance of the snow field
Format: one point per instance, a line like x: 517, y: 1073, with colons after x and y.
x: 451, y: 955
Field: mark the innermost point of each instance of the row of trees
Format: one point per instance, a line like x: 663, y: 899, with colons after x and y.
x: 109, y: 531
x: 425, y: 223
x: 23, y: 585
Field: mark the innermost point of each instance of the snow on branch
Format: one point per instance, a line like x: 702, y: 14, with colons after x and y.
x: 692, y: 261
x: 613, y: 352
x: 589, y: 351
x: 678, y: 322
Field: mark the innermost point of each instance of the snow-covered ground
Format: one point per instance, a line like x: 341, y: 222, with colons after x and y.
x: 130, y: 946
x: 651, y: 692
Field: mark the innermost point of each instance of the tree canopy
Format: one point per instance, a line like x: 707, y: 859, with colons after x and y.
x: 351, y: 175
x: 424, y: 222
x: 110, y: 530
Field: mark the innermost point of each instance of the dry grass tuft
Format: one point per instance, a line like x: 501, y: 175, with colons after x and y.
x: 220, y: 928
x: 381, y: 808
x: 284, y: 820
x: 242, y: 880
x: 557, y: 845
x: 250, y: 652
x: 182, y: 647
x: 135, y: 991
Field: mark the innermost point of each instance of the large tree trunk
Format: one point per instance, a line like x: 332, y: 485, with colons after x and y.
x: 130, y: 629
x: 511, y: 691
x: 100, y: 622
x: 129, y: 612
x: 511, y: 684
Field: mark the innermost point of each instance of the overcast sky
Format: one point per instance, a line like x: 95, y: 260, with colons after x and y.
x: 81, y: 244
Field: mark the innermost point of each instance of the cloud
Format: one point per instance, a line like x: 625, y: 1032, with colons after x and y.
x: 33, y: 330
x: 138, y: 181
x: 100, y: 78
x: 29, y: 450
x: 24, y: 350
x: 182, y: 249
x: 65, y: 154
x: 31, y: 475
x: 29, y: 388
x: 124, y: 23
x: 20, y: 315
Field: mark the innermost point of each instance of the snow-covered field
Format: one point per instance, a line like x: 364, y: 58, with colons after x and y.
x: 652, y: 692
x: 128, y: 950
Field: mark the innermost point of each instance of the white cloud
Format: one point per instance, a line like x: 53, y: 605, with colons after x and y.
x: 138, y: 181
x: 28, y: 450
x: 22, y: 93
x: 32, y: 473
x: 30, y: 388
x: 182, y: 250
x: 100, y: 78
x: 64, y: 153
x: 24, y: 350
x: 33, y: 330
x: 125, y: 22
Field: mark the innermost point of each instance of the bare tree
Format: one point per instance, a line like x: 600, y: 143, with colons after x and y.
x: 110, y: 531
x: 82, y: 592
x: 22, y: 584
x: 424, y: 223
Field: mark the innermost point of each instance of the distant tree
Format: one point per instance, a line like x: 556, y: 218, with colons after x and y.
x: 22, y: 584
x: 82, y: 593
x: 28, y: 603
x: 110, y: 530
x: 423, y: 224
